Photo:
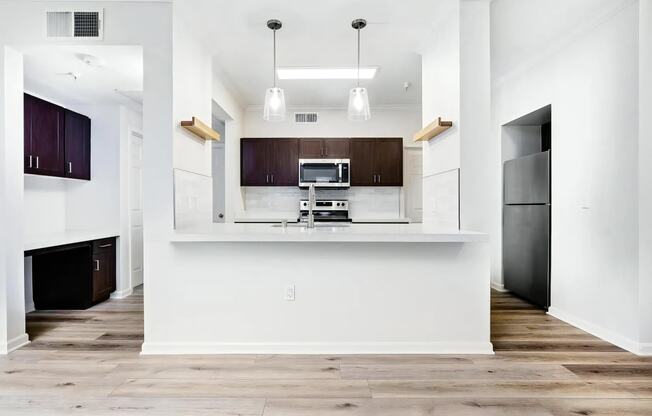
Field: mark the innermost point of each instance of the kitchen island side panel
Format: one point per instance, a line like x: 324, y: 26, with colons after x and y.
x: 229, y: 297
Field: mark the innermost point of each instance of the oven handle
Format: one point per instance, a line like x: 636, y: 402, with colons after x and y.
x: 340, y: 172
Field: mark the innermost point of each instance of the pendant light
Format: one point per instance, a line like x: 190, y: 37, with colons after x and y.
x: 274, y: 98
x: 358, y: 97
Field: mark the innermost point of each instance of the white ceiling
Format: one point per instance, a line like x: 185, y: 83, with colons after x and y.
x: 46, y: 72
x: 315, y: 33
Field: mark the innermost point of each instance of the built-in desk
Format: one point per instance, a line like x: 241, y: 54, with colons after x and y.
x: 72, y: 270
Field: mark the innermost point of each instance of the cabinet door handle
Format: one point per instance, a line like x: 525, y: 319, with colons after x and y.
x: 267, y: 178
x: 374, y: 178
x: 36, y: 162
x: 106, y: 245
x: 97, y: 265
x: 30, y: 161
x: 379, y: 179
x: 69, y: 167
x: 272, y: 178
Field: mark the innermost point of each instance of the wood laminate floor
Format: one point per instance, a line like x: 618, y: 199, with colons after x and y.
x: 88, y: 363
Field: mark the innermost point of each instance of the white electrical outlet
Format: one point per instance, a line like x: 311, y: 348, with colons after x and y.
x: 290, y: 292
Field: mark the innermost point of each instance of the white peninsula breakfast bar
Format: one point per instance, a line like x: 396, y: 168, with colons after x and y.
x: 363, y: 288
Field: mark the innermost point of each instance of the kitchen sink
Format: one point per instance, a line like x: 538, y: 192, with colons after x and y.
x: 317, y: 225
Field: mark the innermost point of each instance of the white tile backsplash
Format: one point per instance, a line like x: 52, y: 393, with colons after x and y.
x: 364, y: 202
x: 193, y: 199
x: 441, y: 199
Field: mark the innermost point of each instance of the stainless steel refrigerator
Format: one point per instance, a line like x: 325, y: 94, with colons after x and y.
x: 526, y: 227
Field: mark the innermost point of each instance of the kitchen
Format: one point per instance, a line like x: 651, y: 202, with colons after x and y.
x: 381, y: 207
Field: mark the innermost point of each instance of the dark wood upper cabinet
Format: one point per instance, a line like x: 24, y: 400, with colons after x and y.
x: 311, y: 148
x: 77, y: 146
x: 253, y: 162
x: 284, y: 162
x: 335, y: 148
x: 274, y: 162
x: 388, y: 161
x: 269, y: 162
x: 362, y: 162
x: 44, y: 137
x: 57, y: 141
x: 377, y: 162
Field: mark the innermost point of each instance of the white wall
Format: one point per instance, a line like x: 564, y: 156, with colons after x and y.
x: 645, y: 173
x: 440, y: 57
x: 476, y: 147
x: 45, y: 205
x: 592, y: 85
x: 400, y: 121
x: 456, y: 87
x: 12, y: 219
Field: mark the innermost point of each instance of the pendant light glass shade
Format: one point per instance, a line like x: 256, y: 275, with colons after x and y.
x: 359, y: 104
x: 274, y: 109
x: 274, y: 105
x: 358, y: 98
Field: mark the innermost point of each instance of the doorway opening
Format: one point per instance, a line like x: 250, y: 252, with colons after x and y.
x: 219, y: 121
x: 83, y: 108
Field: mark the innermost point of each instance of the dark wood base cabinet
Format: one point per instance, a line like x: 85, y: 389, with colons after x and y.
x: 74, y: 276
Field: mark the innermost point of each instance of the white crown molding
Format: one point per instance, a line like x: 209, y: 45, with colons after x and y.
x: 306, y: 107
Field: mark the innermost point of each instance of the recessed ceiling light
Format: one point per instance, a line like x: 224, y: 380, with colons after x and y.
x: 368, y: 72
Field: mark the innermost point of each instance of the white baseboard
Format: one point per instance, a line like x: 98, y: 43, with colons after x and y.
x: 602, y: 333
x: 498, y: 287
x: 14, y: 344
x: 29, y: 307
x: 121, y: 294
x: 157, y: 348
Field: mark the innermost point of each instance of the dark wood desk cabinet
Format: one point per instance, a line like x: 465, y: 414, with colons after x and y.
x: 57, y: 141
x: 74, y: 276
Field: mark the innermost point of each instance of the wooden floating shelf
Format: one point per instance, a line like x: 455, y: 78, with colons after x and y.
x: 433, y: 129
x: 195, y: 126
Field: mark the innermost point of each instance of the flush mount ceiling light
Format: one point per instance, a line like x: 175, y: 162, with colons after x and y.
x: 358, y: 97
x: 274, y: 97
x: 326, y: 73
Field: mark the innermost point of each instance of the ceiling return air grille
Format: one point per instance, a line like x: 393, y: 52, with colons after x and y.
x: 78, y: 24
x: 305, y: 118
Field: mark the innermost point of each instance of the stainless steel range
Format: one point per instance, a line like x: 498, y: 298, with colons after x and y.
x: 325, y: 210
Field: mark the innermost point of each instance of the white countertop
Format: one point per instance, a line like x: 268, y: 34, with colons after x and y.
x: 369, y: 233
x: 34, y: 242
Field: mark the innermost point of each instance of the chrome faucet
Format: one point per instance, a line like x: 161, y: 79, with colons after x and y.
x: 311, y: 204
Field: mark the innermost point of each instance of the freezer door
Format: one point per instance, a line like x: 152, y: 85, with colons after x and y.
x: 526, y: 252
x: 527, y: 179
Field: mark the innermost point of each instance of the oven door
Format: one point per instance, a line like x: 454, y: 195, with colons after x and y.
x: 323, y: 173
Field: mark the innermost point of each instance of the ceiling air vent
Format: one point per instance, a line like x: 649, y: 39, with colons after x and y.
x: 78, y: 24
x: 305, y: 117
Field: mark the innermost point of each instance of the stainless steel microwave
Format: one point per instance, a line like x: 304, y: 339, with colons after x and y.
x: 325, y: 173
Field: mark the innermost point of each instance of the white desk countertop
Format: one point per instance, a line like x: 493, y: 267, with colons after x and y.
x: 371, y: 233
x: 34, y: 242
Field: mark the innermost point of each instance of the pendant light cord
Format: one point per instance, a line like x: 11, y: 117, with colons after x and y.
x: 358, y: 58
x: 274, y: 58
